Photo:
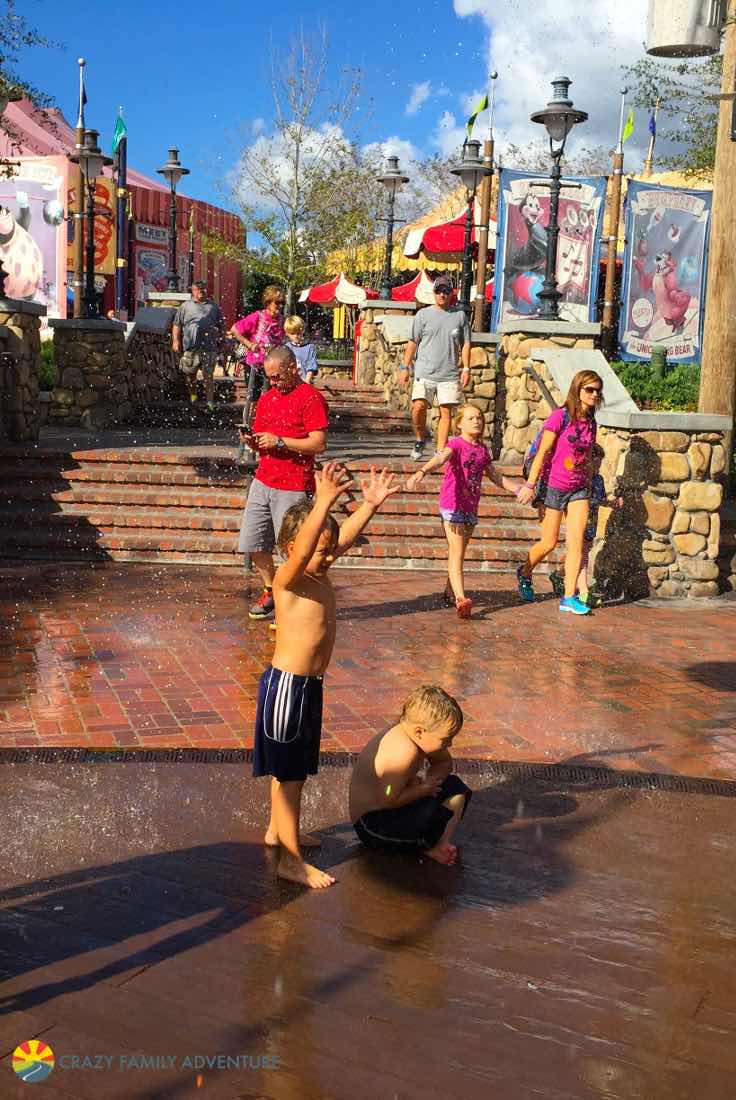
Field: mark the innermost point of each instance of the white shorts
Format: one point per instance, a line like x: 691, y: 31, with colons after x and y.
x: 448, y: 393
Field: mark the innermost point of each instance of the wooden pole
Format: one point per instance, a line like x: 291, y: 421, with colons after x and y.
x: 718, y: 370
x: 486, y: 189
x: 78, y: 211
x: 485, y: 213
x: 608, y: 333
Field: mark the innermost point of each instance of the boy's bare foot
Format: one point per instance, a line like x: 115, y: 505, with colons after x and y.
x: 443, y: 853
x: 296, y: 870
x: 306, y: 840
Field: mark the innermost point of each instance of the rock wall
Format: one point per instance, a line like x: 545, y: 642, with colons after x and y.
x: 153, y: 369
x: 20, y: 369
x: 665, y: 541
x: 92, y: 389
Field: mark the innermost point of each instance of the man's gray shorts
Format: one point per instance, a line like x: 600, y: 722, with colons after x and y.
x: 264, y: 512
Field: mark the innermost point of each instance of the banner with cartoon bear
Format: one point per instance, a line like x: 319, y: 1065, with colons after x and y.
x: 665, y: 261
x: 521, y: 249
x: 32, y: 232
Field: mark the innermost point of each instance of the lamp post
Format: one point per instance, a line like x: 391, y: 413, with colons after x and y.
x: 91, y: 161
x: 172, y: 171
x: 559, y: 117
x: 392, y: 179
x: 471, y: 171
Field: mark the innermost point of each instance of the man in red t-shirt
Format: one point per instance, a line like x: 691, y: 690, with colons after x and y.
x: 289, y: 429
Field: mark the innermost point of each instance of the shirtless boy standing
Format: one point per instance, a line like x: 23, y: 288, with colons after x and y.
x: 289, y: 717
x: 391, y: 806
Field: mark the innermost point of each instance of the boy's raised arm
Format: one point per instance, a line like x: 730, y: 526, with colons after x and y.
x: 375, y: 490
x: 332, y: 482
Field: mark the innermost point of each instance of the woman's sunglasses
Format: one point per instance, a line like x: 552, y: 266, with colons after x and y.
x: 592, y: 389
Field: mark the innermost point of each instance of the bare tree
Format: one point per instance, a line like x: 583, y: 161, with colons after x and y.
x: 288, y: 180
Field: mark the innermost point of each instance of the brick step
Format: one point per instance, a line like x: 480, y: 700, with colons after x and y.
x: 135, y: 496
x: 176, y: 414
x: 134, y: 474
x: 110, y: 487
x: 82, y: 516
x: 103, y: 540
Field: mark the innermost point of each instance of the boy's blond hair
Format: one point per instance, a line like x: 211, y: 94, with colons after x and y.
x: 293, y: 521
x: 294, y: 326
x: 431, y: 702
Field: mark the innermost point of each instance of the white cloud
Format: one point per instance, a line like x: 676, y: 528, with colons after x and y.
x: 394, y: 147
x: 272, y: 151
x: 419, y: 93
x: 257, y: 126
x: 532, y: 41
x: 448, y: 135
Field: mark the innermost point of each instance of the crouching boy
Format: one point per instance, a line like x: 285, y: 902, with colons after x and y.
x: 392, y: 804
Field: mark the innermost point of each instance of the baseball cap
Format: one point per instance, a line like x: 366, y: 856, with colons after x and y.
x: 442, y: 282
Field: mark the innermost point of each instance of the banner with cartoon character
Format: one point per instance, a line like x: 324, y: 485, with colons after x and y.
x: 665, y: 261
x: 104, y: 227
x: 32, y: 232
x: 521, y: 249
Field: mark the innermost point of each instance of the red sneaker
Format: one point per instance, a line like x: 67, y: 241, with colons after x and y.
x: 263, y: 607
x: 464, y: 607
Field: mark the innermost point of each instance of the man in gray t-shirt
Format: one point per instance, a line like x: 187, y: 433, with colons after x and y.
x: 440, y: 338
x: 198, y: 330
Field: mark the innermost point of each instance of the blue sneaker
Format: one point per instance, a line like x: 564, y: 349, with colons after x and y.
x: 526, y: 588
x: 575, y: 605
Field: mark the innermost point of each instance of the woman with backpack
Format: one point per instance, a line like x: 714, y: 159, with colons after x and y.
x: 558, y: 480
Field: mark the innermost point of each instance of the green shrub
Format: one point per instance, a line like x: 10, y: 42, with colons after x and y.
x: 47, y: 378
x: 678, y: 389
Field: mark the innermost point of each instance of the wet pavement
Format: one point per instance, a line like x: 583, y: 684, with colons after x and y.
x: 581, y: 950
x: 112, y: 656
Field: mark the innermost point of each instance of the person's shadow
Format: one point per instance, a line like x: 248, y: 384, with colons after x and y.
x: 513, y: 843
x: 619, y: 568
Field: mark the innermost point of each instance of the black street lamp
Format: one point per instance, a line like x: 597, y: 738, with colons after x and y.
x: 471, y: 171
x: 392, y: 179
x: 91, y: 160
x: 173, y: 171
x: 559, y: 117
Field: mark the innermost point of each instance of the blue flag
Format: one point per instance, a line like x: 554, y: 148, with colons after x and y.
x: 652, y: 123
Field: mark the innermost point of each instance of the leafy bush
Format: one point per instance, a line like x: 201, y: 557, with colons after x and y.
x: 678, y: 389
x: 47, y: 378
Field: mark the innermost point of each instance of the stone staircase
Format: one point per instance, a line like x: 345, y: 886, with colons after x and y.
x: 352, y: 408
x: 178, y: 505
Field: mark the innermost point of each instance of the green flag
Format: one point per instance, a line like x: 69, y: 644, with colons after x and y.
x: 628, y: 126
x: 480, y: 106
x: 121, y: 131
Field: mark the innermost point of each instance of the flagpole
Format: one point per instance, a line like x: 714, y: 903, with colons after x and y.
x: 650, y: 155
x: 77, y: 213
x: 608, y: 327
x: 121, y: 248
x: 486, y: 188
x: 191, y: 244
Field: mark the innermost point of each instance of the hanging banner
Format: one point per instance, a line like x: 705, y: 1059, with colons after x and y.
x: 521, y: 250
x: 665, y: 261
x: 32, y: 231
x: 104, y: 226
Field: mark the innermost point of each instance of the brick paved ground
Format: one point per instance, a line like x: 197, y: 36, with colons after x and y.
x: 146, y: 656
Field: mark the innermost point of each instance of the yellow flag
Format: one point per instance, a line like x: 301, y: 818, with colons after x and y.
x: 628, y: 126
x: 481, y: 105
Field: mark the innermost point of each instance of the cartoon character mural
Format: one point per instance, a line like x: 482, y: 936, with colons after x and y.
x: 664, y: 271
x: 32, y: 235
x: 521, y: 255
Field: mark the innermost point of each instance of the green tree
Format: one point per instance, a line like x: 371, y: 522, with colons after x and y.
x: 688, y: 116
x: 16, y: 34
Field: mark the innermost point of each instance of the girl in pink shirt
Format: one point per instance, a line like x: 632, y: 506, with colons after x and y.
x: 559, y: 480
x: 467, y: 459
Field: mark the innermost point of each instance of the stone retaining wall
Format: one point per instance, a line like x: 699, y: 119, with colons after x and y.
x: 92, y: 388
x: 153, y: 368
x: 20, y: 369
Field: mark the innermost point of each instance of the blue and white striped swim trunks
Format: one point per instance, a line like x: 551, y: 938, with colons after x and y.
x: 288, y: 725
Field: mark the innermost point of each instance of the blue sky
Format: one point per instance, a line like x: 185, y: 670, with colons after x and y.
x: 196, y: 75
